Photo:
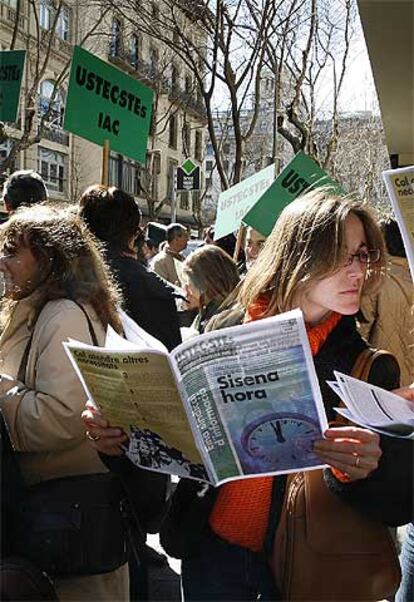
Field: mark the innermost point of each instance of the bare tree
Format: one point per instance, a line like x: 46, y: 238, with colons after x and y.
x: 223, y: 47
x: 308, y: 51
x: 40, y: 46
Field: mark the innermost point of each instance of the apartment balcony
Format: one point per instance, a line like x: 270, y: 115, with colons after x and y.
x: 58, y: 44
x: 141, y: 70
x: 187, y: 101
x: 8, y: 15
x: 54, y: 134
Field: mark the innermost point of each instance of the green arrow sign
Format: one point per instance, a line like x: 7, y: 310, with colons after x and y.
x: 104, y: 103
x: 11, y: 73
x: 301, y: 173
x: 188, y: 166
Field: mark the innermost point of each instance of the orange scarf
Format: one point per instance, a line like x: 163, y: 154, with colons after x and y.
x: 241, y: 512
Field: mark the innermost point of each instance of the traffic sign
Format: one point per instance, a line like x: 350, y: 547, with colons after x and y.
x: 188, y: 176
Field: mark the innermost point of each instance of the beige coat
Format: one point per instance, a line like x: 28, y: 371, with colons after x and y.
x: 388, y: 317
x: 165, y: 265
x: 43, y: 414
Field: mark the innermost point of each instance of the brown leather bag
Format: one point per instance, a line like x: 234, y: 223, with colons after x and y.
x: 326, y: 550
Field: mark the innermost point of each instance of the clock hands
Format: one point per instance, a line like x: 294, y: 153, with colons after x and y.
x: 278, y: 431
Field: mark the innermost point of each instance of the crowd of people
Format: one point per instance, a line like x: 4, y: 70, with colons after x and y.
x: 66, y: 272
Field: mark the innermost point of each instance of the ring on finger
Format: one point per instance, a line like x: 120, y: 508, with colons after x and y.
x: 357, y: 461
x: 92, y: 437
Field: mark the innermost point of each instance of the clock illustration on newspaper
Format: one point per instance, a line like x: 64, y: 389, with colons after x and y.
x: 281, y: 439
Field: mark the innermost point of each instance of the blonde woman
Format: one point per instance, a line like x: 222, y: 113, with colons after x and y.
x: 323, y: 252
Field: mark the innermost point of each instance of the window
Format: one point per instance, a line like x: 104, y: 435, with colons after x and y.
x: 45, y: 10
x: 209, y: 165
x: 153, y: 123
x: 51, y: 166
x: 196, y: 201
x: 172, y: 131
x: 188, y: 85
x: 172, y: 164
x: 63, y: 24
x: 156, y: 170
x: 55, y: 109
x: 116, y: 38
x: 226, y: 148
x: 5, y: 148
x: 184, y: 200
x: 125, y: 173
x: 187, y: 139
x: 226, y: 165
x: 134, y: 51
x: 198, y: 151
x: 174, y: 79
x: 153, y: 57
x: 155, y: 12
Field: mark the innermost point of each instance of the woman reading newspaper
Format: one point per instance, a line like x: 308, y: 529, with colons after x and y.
x: 322, y: 253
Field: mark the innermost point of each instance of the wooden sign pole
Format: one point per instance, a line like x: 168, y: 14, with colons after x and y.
x: 105, y: 164
x: 239, y: 242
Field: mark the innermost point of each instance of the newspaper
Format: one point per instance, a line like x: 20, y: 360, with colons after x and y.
x: 400, y: 188
x: 239, y: 402
x: 373, y: 407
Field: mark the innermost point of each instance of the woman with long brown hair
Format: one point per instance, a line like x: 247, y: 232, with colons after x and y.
x: 323, y: 251
x: 56, y: 286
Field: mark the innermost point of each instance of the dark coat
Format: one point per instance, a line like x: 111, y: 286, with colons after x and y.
x: 149, y: 300
x: 385, y: 495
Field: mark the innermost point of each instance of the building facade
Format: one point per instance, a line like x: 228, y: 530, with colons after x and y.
x: 68, y: 163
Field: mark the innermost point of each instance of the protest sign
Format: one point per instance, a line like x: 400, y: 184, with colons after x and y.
x: 11, y: 73
x: 234, y: 203
x: 104, y: 103
x: 301, y: 173
x: 400, y: 188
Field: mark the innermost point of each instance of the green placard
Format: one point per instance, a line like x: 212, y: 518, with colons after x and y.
x: 298, y: 175
x: 104, y: 103
x: 237, y: 200
x: 11, y: 74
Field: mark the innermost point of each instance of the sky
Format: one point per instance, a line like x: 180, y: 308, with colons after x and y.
x: 358, y: 92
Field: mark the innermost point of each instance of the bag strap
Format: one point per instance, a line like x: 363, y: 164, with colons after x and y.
x: 21, y: 374
x: 365, y: 361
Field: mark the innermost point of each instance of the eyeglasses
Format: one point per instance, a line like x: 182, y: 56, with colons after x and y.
x: 364, y: 256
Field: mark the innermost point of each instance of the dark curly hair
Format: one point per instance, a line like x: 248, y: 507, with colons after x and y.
x: 112, y: 215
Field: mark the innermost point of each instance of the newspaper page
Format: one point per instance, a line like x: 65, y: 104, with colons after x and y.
x: 135, y: 389
x: 373, y: 407
x: 400, y: 188
x: 253, y: 398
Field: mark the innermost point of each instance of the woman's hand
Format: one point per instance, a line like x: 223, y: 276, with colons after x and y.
x: 406, y: 392
x: 352, y: 450
x: 105, y: 438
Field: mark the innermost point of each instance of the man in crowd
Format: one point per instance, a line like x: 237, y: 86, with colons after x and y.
x: 252, y: 246
x: 164, y: 263
x: 24, y: 187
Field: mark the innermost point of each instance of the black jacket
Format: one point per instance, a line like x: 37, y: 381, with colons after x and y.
x: 385, y: 495
x: 149, y: 300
